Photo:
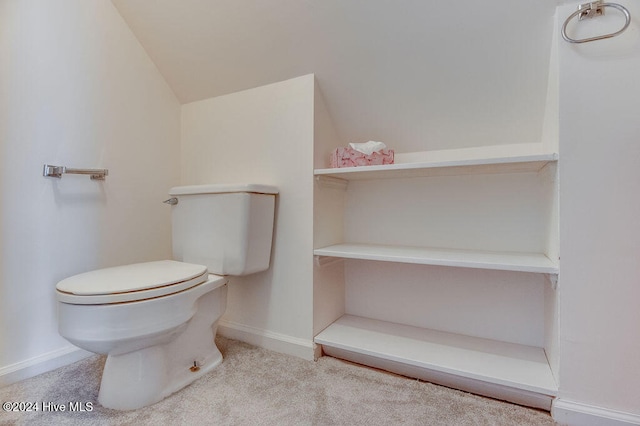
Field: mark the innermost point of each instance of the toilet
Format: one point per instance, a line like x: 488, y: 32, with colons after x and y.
x: 156, y: 321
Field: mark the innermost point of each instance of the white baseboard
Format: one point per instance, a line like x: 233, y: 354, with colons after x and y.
x: 277, y: 342
x: 578, y: 414
x: 41, y: 364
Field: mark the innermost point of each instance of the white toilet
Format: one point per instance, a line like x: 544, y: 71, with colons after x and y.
x: 157, y: 321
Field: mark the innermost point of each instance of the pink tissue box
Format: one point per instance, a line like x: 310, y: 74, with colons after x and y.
x: 349, y: 157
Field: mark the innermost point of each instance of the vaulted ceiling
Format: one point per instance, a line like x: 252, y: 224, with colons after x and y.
x: 415, y: 74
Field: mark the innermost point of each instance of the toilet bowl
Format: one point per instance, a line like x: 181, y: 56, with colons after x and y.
x: 156, y: 321
x: 152, y: 341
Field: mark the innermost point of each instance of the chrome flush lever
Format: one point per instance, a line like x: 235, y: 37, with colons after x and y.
x: 171, y: 201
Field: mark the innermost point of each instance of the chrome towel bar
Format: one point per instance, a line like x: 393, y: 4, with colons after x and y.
x: 591, y: 10
x: 58, y: 171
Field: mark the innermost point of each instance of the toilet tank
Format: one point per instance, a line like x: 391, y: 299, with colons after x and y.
x: 227, y: 228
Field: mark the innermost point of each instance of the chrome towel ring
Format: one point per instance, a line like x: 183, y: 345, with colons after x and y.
x: 591, y: 10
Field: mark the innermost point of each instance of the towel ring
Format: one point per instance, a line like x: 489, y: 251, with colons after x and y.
x: 591, y: 10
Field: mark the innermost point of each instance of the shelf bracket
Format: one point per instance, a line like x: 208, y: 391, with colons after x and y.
x: 553, y: 280
x: 332, y: 182
x: 322, y: 261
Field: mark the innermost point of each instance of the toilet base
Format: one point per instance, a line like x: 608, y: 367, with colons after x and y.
x: 143, y: 377
x: 121, y: 390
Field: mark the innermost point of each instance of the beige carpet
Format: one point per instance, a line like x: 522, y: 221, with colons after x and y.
x: 254, y: 386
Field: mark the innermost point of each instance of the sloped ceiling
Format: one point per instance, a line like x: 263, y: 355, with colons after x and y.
x: 415, y: 74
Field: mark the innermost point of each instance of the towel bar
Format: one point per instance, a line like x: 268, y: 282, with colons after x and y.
x: 58, y: 171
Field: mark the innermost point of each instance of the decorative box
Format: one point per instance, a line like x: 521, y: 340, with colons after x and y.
x: 349, y: 157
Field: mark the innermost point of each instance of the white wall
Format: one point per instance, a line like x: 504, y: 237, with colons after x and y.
x: 328, y: 222
x: 76, y: 89
x: 494, y: 212
x: 263, y: 135
x: 599, y: 216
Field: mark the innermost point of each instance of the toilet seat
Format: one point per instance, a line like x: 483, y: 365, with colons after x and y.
x: 130, y: 283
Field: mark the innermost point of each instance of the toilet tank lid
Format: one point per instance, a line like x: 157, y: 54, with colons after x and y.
x: 223, y: 189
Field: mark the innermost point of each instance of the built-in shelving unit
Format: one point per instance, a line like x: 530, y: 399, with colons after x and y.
x: 511, y: 371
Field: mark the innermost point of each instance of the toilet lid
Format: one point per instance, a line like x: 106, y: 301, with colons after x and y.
x: 132, y: 282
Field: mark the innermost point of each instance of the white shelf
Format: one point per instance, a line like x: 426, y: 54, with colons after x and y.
x: 444, y: 167
x: 520, y: 262
x: 502, y: 370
